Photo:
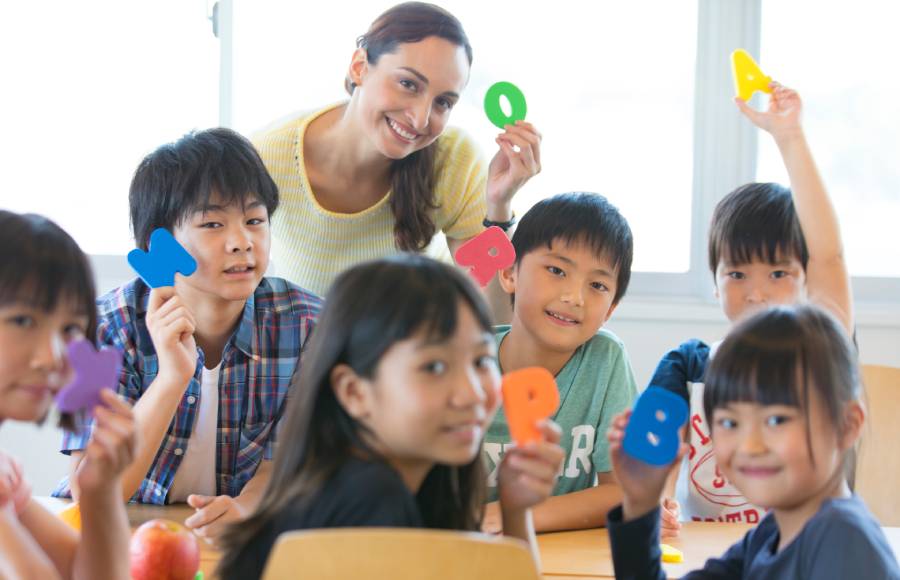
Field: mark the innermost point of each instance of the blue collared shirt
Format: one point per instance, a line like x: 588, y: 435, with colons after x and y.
x: 257, y: 365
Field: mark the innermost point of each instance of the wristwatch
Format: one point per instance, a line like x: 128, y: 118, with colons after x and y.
x: 502, y: 225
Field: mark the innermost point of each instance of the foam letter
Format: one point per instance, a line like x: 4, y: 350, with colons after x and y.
x: 164, y: 257
x: 748, y: 77
x: 477, y: 255
x: 93, y: 371
x: 517, y: 104
x: 529, y: 395
x: 652, y: 432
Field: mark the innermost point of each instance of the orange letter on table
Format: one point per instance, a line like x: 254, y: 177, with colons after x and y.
x: 529, y: 395
x: 486, y: 254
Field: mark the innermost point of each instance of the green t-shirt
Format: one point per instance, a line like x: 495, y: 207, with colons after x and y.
x: 595, y: 384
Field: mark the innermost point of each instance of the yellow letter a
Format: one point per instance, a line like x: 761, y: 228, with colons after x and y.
x: 748, y: 77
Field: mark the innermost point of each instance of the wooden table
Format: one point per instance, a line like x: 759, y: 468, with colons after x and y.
x: 564, y: 555
x: 587, y: 553
x: 140, y: 513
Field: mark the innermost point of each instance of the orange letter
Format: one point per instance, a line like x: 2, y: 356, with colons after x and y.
x: 529, y: 395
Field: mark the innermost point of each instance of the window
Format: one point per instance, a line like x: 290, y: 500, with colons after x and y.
x: 610, y: 85
x: 633, y: 99
x: 89, y: 89
x: 845, y: 69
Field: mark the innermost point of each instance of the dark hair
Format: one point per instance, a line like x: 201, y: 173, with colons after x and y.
x: 369, y: 308
x: 413, y: 177
x: 579, y: 217
x: 179, y: 178
x: 777, y: 356
x: 756, y: 220
x: 41, y: 266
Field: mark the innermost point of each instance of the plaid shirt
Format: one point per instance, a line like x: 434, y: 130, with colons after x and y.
x: 257, y: 364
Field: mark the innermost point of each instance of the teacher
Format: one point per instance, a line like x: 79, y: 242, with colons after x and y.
x: 382, y: 172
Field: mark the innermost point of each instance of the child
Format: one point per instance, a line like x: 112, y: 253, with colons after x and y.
x: 389, y: 414
x: 784, y: 394
x: 47, y: 300
x: 208, y: 362
x: 573, y: 264
x: 761, y: 252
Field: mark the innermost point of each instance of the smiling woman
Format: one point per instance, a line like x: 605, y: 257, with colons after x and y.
x: 382, y: 172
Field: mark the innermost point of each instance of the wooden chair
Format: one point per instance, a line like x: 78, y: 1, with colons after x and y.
x: 878, y: 464
x: 397, y: 554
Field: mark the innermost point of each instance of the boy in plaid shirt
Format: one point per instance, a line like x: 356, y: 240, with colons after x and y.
x: 209, y: 360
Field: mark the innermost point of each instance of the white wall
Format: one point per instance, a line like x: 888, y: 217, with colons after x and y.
x: 648, y: 330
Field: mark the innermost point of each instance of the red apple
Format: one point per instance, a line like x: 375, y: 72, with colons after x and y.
x: 164, y: 550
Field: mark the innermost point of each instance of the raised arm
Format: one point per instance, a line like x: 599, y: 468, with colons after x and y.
x: 828, y: 281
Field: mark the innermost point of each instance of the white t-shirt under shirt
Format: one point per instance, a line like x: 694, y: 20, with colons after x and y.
x: 702, y: 490
x: 197, y: 472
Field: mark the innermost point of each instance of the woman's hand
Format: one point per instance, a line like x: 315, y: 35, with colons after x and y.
x: 528, y: 474
x: 642, y: 484
x: 510, y: 169
x: 782, y: 118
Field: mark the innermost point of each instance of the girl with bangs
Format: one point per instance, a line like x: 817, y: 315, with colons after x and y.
x: 388, y: 416
x: 784, y: 397
x: 46, y: 301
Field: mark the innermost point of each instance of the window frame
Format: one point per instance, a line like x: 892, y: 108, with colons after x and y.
x: 724, y: 154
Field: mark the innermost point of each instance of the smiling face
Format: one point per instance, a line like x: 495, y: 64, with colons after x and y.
x: 743, y: 289
x: 33, y: 362
x: 231, y: 246
x: 403, y: 101
x: 563, y: 294
x: 431, y: 401
x: 763, y: 451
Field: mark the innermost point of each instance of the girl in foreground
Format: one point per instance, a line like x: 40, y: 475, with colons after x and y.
x: 387, y: 419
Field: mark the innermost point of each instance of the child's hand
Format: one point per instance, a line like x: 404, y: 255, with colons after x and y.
x: 528, y: 474
x: 493, y: 519
x: 212, y: 514
x: 782, y: 119
x: 510, y: 170
x: 669, y: 514
x: 14, y: 490
x: 112, y: 446
x: 171, y: 325
x: 642, y: 484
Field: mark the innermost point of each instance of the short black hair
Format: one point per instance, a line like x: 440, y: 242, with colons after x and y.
x: 43, y: 265
x: 756, y: 220
x: 579, y: 217
x: 179, y: 178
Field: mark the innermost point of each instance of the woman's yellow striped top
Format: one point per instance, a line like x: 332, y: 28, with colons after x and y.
x: 311, y: 245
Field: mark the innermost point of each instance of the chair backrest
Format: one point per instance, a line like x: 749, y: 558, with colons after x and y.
x: 878, y: 464
x: 397, y: 554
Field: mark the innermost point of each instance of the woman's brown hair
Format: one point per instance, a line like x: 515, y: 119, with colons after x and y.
x: 413, y: 177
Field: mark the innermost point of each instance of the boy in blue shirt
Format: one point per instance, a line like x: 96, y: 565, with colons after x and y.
x: 573, y: 264
x: 207, y: 362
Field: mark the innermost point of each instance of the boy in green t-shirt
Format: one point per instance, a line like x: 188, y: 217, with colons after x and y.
x: 573, y: 264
